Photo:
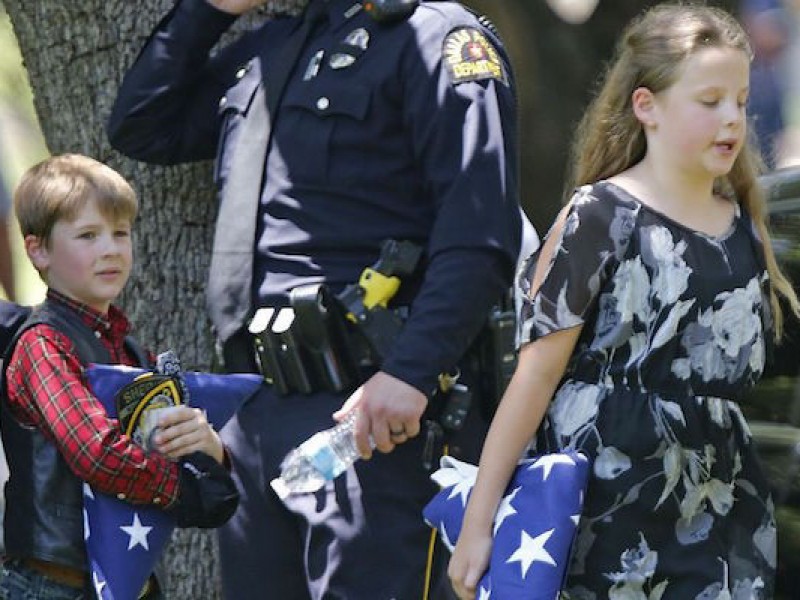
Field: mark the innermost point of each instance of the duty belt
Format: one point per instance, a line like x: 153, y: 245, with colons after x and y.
x: 309, y: 346
x: 324, y: 342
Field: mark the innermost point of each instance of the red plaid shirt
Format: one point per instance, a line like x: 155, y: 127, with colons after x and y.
x: 47, y: 389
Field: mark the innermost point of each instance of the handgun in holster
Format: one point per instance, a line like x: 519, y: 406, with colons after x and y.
x: 321, y: 341
x: 366, y: 303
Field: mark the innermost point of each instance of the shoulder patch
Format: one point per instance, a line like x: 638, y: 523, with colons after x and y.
x: 469, y: 56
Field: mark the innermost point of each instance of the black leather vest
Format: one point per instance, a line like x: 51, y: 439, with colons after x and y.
x: 44, y: 499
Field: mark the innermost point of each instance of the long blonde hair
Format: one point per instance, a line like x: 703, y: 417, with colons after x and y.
x: 610, y: 139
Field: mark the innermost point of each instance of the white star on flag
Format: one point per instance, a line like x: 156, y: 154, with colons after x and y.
x: 505, y: 510
x: 547, y: 461
x: 547, y: 500
x: 532, y: 550
x: 138, y: 533
x: 462, y: 488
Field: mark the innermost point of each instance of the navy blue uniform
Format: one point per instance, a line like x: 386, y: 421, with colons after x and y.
x: 403, y: 130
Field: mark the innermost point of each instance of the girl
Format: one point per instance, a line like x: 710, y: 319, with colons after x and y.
x: 646, y: 317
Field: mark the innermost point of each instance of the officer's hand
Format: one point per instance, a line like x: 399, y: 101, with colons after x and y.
x: 185, y: 430
x: 385, y: 404
x: 236, y: 7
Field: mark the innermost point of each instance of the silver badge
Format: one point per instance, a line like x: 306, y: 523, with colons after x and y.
x: 340, y: 60
x: 313, y: 65
x: 353, y: 10
x: 358, y: 38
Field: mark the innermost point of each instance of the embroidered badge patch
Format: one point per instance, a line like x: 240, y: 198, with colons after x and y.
x: 469, y: 56
x: 142, y: 395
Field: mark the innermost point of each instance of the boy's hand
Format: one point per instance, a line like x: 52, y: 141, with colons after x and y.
x: 186, y: 430
x: 236, y: 7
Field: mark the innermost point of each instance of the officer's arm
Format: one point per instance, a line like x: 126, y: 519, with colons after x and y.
x: 468, y: 152
x: 460, y: 288
x: 166, y: 109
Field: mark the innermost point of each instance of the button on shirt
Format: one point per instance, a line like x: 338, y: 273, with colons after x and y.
x: 376, y: 143
x: 47, y: 389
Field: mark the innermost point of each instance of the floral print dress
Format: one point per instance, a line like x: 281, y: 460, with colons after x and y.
x: 673, y: 334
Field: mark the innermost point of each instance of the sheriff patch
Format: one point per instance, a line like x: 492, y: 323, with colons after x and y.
x: 145, y: 393
x: 469, y: 56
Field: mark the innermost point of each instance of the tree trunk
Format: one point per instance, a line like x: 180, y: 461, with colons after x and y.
x: 76, y: 52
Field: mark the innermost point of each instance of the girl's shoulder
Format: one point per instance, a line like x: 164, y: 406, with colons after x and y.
x: 598, y: 218
x: 603, y: 204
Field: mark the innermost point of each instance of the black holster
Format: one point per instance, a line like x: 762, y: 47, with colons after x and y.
x: 306, y: 347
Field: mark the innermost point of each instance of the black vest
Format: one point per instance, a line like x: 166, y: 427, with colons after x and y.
x: 44, y: 499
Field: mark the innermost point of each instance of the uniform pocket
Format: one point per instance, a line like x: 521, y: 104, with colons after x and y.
x: 320, y: 123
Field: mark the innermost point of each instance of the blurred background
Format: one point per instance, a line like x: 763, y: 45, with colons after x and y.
x: 21, y: 145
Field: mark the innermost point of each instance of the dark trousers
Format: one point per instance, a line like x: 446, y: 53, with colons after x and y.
x: 361, y: 537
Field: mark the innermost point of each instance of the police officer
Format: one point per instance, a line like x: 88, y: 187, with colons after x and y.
x: 393, y: 119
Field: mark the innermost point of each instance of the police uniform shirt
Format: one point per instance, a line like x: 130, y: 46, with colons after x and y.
x: 403, y: 131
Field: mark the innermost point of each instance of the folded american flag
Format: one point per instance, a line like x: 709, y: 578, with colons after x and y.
x: 125, y: 541
x: 534, y: 527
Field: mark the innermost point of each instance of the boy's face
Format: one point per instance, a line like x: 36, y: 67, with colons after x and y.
x: 88, y: 259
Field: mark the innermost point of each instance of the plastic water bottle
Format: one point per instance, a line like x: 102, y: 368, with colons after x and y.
x: 321, y: 458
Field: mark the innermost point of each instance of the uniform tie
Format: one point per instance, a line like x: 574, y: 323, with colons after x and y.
x: 231, y: 273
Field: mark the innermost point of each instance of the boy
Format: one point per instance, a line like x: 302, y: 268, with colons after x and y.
x: 76, y: 215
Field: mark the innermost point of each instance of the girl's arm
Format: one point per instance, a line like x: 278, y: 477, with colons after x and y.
x: 541, y: 366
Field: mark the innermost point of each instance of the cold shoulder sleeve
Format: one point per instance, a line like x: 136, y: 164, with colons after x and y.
x: 579, y: 254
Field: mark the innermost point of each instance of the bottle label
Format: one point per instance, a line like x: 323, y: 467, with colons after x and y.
x: 322, y: 456
x: 327, y: 463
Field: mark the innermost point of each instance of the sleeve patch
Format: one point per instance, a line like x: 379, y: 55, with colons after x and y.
x: 469, y: 56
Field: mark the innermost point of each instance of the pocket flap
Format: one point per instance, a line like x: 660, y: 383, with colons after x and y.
x: 347, y: 100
